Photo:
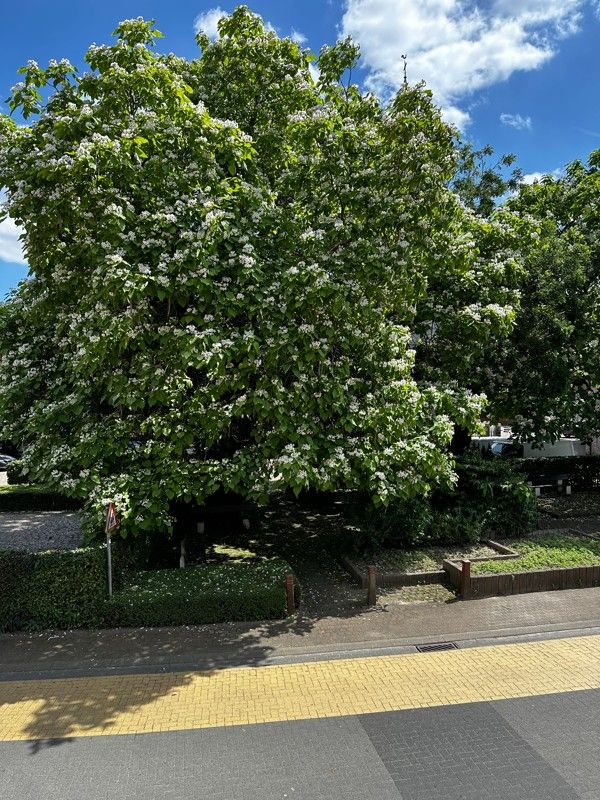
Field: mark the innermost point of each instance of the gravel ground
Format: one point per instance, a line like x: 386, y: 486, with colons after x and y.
x: 31, y: 531
x: 300, y: 535
x: 422, y: 559
x: 428, y: 593
x: 581, y: 524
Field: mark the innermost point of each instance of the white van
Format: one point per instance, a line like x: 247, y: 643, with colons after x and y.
x: 563, y: 447
x: 509, y: 448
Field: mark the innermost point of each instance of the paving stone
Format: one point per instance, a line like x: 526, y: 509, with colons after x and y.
x: 124, y: 704
x: 565, y: 730
x: 307, y: 760
x: 461, y: 753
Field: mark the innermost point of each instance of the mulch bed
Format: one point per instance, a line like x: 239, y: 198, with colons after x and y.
x: 574, y: 506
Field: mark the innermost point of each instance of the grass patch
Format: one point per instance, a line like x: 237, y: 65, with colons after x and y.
x: 24, y: 497
x: 425, y: 559
x: 545, y: 552
x: 228, y: 553
x: 428, y: 593
x: 230, y: 591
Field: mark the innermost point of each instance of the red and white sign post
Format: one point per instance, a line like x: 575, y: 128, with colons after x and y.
x: 112, y: 523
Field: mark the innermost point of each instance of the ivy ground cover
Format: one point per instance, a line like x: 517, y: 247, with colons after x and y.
x: 545, y: 552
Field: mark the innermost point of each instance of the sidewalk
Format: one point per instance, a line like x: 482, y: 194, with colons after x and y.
x: 369, y: 631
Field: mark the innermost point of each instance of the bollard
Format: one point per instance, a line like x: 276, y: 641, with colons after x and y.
x: 289, y: 592
x: 371, y: 586
x: 465, y: 580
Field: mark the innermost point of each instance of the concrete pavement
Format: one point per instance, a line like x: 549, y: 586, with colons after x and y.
x: 540, y: 748
x: 150, y: 702
x: 396, y: 627
x: 509, y: 722
x: 313, y: 709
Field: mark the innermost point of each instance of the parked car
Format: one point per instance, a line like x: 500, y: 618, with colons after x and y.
x: 5, y: 461
x: 507, y: 449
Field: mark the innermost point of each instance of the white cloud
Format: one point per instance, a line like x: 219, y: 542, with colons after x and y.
x: 533, y: 177
x: 10, y: 246
x: 455, y: 116
x: 297, y: 37
x: 208, y: 21
x: 516, y: 121
x: 315, y: 72
x: 456, y: 46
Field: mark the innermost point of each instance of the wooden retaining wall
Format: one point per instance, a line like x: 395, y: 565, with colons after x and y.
x: 393, y: 579
x: 478, y: 586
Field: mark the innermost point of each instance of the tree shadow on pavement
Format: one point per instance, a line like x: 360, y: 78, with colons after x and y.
x: 119, y: 675
x: 49, y: 713
x: 109, y: 691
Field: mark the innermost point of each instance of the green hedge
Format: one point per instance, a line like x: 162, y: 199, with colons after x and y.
x: 35, y: 498
x: 13, y: 473
x: 496, y: 493
x: 55, y: 589
x: 207, y: 593
x: 67, y: 589
x: 583, y: 471
x: 490, y: 498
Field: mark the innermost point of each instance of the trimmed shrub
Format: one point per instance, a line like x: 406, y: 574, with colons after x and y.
x: 492, y: 491
x: 246, y: 590
x: 58, y: 588
x: 35, y: 498
x: 14, y: 474
x: 67, y: 589
x: 16, y: 570
x: 583, y: 471
x: 55, y: 589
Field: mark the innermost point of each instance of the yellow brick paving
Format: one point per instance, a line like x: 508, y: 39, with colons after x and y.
x: 96, y: 706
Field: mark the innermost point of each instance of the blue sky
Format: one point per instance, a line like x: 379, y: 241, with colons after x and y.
x: 521, y: 75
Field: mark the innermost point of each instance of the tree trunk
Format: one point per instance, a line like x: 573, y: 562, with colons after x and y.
x: 461, y: 441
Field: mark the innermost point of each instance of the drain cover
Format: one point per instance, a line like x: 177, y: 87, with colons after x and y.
x: 433, y: 648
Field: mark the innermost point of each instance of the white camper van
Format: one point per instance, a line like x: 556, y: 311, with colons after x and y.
x: 509, y: 448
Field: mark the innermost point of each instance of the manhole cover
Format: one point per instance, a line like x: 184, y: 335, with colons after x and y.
x: 433, y: 648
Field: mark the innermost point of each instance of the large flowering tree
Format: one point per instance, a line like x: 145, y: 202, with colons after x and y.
x: 234, y: 268
x: 546, y: 376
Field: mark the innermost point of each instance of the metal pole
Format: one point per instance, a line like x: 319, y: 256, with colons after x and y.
x: 109, y: 555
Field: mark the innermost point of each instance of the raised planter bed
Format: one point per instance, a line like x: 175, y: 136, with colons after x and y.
x: 474, y: 586
x: 389, y: 579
